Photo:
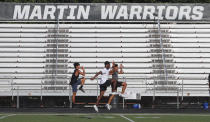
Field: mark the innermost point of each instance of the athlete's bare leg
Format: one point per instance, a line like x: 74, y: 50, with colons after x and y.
x: 81, y: 85
x: 110, y: 99
x: 73, y: 97
x: 114, y: 89
x: 82, y: 81
x: 99, y: 97
x: 124, y: 84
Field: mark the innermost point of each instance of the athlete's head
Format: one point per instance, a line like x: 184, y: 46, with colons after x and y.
x: 107, y: 64
x: 76, y: 65
x: 116, y: 67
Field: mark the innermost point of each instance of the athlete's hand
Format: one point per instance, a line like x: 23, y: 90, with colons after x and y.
x: 113, y: 63
x: 121, y: 66
x: 92, y: 78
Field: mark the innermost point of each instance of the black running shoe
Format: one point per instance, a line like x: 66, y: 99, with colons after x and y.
x: 81, y: 89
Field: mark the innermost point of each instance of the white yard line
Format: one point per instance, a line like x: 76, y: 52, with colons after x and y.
x: 130, y: 120
x: 175, y: 114
x: 148, y: 117
x: 95, y: 116
x: 2, y: 117
x: 109, y: 117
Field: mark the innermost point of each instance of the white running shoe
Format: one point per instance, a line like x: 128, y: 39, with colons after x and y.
x: 122, y: 95
x: 114, y: 93
x: 108, y: 106
x: 96, y: 108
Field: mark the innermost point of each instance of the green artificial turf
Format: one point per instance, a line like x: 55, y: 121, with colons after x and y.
x: 105, y: 118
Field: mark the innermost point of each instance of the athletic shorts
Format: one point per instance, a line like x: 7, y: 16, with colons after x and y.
x: 103, y: 87
x: 119, y: 84
x: 74, y: 86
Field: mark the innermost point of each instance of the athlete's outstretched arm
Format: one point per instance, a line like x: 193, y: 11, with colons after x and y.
x: 83, y: 71
x: 113, y: 63
x: 112, y: 70
x: 96, y: 75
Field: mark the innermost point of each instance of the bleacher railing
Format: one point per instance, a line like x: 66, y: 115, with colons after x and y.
x: 146, y: 87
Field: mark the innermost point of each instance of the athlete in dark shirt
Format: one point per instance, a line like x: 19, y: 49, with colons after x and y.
x: 75, y: 80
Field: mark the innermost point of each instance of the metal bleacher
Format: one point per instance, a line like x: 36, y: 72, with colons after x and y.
x: 37, y: 59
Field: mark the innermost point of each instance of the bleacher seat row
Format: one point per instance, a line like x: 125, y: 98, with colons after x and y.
x: 44, y: 54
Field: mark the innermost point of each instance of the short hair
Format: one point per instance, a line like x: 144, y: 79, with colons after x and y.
x: 116, y: 65
x: 76, y: 64
x: 106, y: 62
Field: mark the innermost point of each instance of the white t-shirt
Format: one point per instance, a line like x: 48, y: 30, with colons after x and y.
x: 104, y: 75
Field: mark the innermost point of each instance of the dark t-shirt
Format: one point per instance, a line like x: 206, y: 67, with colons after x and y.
x: 74, y: 78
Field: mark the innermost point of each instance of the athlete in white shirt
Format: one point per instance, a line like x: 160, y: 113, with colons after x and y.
x: 104, y: 83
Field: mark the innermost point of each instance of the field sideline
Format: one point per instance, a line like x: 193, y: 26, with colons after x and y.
x: 100, y: 117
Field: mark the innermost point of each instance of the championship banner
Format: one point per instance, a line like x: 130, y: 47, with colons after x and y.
x: 104, y: 11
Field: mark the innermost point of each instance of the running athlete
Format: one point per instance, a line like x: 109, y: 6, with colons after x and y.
x: 75, y: 80
x: 118, y: 83
x: 104, y: 83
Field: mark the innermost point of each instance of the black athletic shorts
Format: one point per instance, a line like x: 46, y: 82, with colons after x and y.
x: 119, y: 84
x: 103, y: 87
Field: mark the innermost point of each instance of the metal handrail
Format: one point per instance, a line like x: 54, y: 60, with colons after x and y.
x: 144, y: 83
x: 181, y: 88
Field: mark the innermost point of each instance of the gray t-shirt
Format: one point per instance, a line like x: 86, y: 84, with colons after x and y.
x: 115, y: 76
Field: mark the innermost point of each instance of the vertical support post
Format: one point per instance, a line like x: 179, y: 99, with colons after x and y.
x: 56, y: 53
x: 12, y: 90
x: 163, y: 53
x: 97, y: 94
x: 123, y: 103
x: 121, y: 43
x: 146, y: 84
x: 41, y: 91
x: 153, y: 99
x: 177, y: 98
x: 57, y: 36
x: 124, y: 80
x: 57, y: 45
x: 70, y: 96
x: 182, y: 90
x: 154, y: 90
x: 18, y: 100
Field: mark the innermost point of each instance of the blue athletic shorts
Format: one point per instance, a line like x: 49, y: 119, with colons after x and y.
x: 74, y: 86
